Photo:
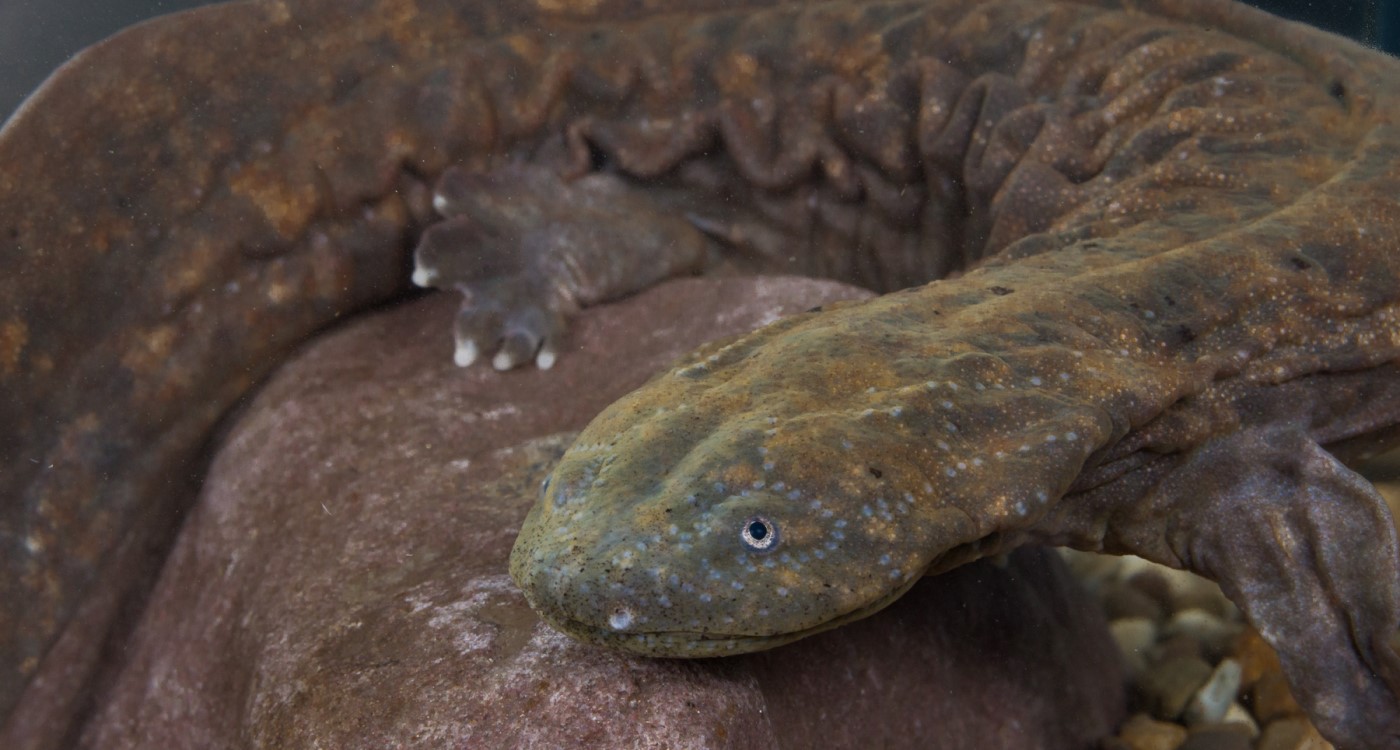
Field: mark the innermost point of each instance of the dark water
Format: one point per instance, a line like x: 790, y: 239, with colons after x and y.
x: 36, y: 36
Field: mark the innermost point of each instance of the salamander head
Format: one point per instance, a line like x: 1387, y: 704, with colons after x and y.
x: 733, y: 519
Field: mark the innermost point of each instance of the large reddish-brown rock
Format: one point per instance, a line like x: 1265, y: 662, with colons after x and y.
x: 342, y: 581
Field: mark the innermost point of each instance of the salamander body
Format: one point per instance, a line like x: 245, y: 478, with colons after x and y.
x: 1162, y: 240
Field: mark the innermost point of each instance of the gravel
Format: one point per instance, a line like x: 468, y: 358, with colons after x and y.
x: 1199, y: 677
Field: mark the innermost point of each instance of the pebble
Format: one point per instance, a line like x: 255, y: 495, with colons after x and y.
x: 1272, y: 699
x: 1256, y: 657
x: 1170, y: 685
x: 1217, y: 737
x: 1093, y: 571
x: 1292, y: 734
x: 1261, y: 677
x: 1177, y: 647
x: 1142, y: 732
x: 1209, y: 704
x: 1135, y: 637
x: 1201, y: 678
x: 1153, y: 584
x: 1213, y: 633
x: 1122, y: 599
x: 1238, y: 714
x: 1190, y: 591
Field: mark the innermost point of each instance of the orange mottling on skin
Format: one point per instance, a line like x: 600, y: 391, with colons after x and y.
x: 14, y: 336
x: 568, y: 6
x: 152, y: 350
x: 286, y: 207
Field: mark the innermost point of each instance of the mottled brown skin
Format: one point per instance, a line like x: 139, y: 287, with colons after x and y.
x: 186, y: 203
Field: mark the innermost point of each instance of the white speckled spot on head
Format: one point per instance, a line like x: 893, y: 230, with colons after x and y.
x: 620, y: 619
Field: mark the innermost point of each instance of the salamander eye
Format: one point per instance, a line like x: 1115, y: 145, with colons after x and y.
x: 544, y: 486
x: 759, y: 534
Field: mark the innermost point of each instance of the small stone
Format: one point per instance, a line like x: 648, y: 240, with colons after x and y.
x: 1135, y: 637
x: 1093, y: 571
x: 1294, y: 733
x: 1208, y: 629
x: 1178, y: 646
x: 1152, y: 583
x: 1256, y: 657
x: 1132, y: 566
x: 1121, y: 600
x: 1171, y: 684
x: 1209, y: 704
x: 1142, y: 732
x: 1217, y: 737
x: 1190, y: 591
x: 1272, y: 699
x: 1390, y: 490
x: 1237, y: 714
x: 1261, y: 678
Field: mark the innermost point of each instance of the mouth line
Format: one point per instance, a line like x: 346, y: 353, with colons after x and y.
x: 694, y: 644
x: 678, y: 643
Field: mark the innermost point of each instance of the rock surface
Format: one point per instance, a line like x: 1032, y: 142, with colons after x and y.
x: 342, y: 582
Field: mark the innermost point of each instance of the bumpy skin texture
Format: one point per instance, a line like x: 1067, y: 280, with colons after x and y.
x: 1181, y: 214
